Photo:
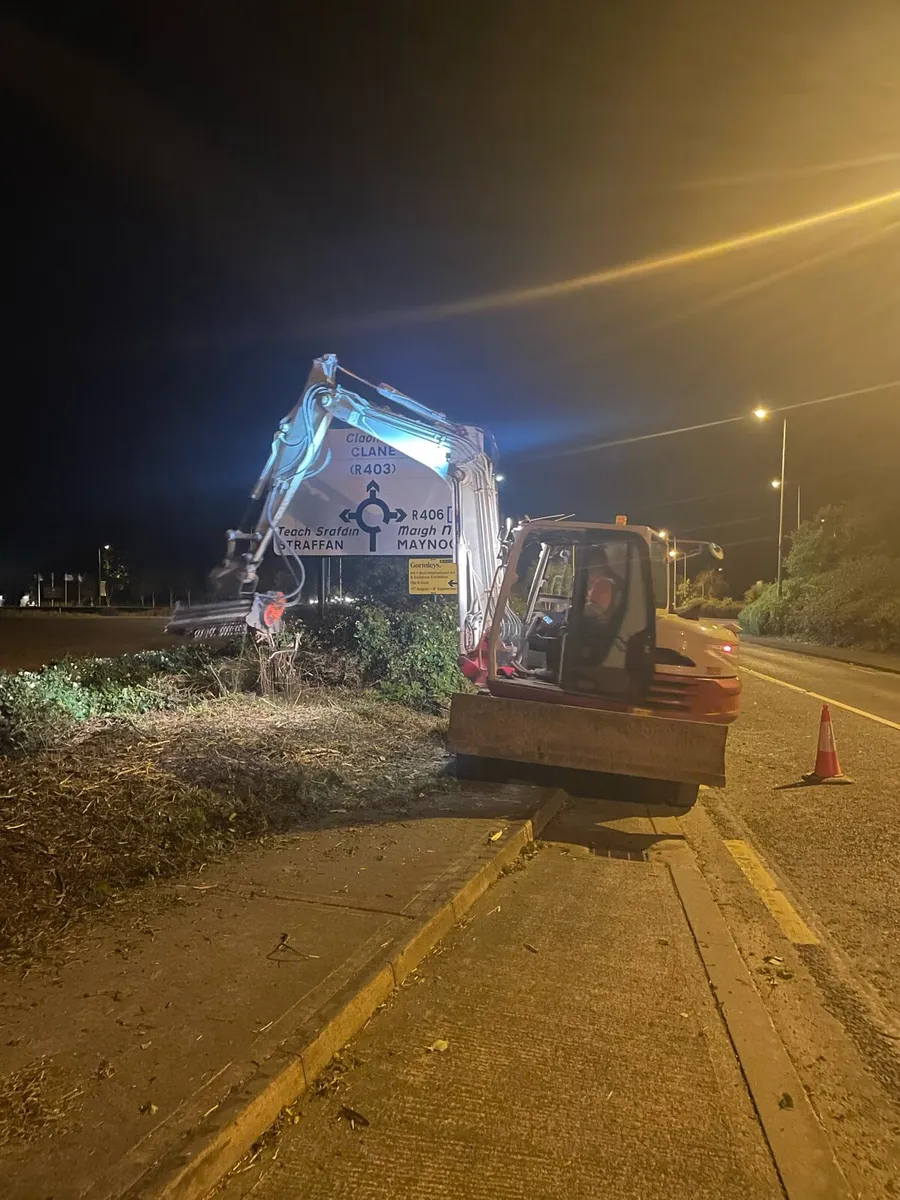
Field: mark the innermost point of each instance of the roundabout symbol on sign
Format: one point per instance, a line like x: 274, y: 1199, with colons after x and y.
x: 372, y: 507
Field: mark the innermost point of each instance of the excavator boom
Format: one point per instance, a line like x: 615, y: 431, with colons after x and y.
x: 456, y: 453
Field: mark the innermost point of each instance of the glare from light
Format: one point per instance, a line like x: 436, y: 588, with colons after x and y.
x: 637, y: 268
x: 430, y: 453
x: 776, y: 483
x: 673, y: 554
x: 760, y: 413
x: 107, y: 546
x: 499, y: 478
x: 663, y: 533
x: 725, y: 648
x: 588, y: 447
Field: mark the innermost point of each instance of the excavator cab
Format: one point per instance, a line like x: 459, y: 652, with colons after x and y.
x: 571, y: 667
x: 586, y: 620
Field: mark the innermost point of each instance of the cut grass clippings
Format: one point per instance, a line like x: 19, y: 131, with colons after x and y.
x: 31, y: 1102
x: 117, y: 771
x: 165, y: 792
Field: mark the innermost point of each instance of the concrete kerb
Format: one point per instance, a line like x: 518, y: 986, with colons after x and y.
x: 799, y: 1146
x: 193, y: 1169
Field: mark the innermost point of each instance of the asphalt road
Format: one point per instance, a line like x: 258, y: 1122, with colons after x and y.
x: 832, y: 849
x: 870, y: 690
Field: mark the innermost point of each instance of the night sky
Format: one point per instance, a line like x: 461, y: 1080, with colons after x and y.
x: 201, y: 197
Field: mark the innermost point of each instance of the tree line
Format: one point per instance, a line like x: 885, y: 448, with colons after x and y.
x: 842, y: 578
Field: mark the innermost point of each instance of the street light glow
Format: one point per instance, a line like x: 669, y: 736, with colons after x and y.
x: 760, y: 413
x: 663, y: 533
x: 776, y: 483
x: 673, y: 554
x: 499, y: 478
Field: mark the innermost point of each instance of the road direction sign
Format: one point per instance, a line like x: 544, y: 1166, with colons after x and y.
x: 368, y: 499
x: 432, y: 577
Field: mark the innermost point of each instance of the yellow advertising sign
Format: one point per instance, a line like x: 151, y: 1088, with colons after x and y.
x: 432, y: 577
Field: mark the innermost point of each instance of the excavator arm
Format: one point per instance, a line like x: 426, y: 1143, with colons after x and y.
x: 454, y: 452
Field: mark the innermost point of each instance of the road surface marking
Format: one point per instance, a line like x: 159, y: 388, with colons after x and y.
x: 860, y: 712
x: 792, y: 924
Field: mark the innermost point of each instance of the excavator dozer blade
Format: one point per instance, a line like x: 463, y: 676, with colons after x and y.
x: 587, y: 739
x: 222, y: 619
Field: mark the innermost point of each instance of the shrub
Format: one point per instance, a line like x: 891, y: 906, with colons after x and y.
x: 765, y: 616
x: 409, y: 654
x: 856, y: 603
x: 36, y: 706
x: 723, y: 607
x: 412, y: 657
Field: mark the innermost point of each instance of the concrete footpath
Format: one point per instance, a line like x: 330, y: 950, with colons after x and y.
x: 568, y: 1041
x: 163, y: 1027
x: 410, y: 1007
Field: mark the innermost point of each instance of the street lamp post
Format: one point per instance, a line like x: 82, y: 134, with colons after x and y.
x: 779, y: 585
x: 761, y: 414
x: 673, y: 558
x: 100, y: 550
x: 776, y: 483
x: 663, y: 535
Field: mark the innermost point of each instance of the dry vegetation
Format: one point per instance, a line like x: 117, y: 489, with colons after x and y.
x: 33, y: 1101
x: 123, y: 770
x: 164, y: 793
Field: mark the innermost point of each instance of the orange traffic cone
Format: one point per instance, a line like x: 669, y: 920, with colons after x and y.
x: 827, y: 768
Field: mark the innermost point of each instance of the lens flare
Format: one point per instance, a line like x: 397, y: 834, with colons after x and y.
x: 636, y: 269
